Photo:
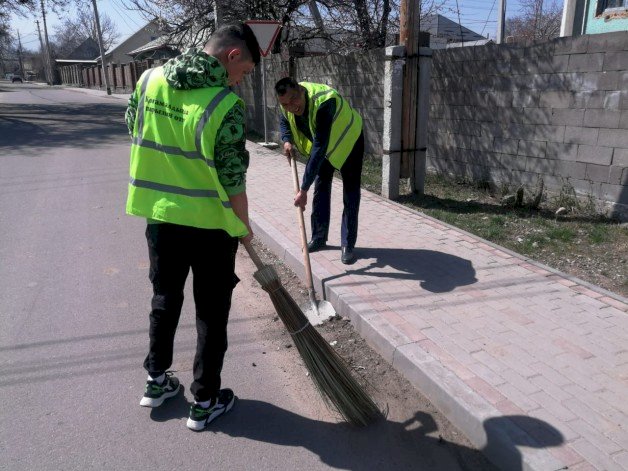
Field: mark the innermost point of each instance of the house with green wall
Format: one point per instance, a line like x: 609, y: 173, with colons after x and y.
x: 594, y: 17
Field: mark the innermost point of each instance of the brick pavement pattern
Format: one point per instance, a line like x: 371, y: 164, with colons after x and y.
x: 529, y: 363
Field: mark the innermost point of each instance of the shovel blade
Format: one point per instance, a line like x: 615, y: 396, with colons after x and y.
x: 318, y: 312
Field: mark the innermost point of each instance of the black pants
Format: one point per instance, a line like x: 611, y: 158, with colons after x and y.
x: 210, y: 253
x: 351, y: 173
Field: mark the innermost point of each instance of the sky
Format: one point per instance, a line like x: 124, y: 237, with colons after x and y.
x: 126, y: 21
x: 477, y: 15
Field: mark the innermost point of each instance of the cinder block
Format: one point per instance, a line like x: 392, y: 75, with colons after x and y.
x: 560, y: 64
x: 623, y: 101
x: 506, y: 146
x: 510, y: 115
x: 618, y: 175
x: 568, y: 117
x: 587, y: 62
x: 536, y: 115
x: 616, y: 60
x: 549, y: 133
x: 571, y: 45
x: 608, y: 42
x: 561, y: 151
x: 612, y: 100
x: 613, y: 138
x: 513, y: 163
x: 595, y: 154
x: 597, y: 173
x: 525, y: 99
x: 601, y: 118
x: 578, y: 135
x: 540, y: 166
x: 556, y: 99
x: 570, y: 169
x: 601, y: 80
x: 614, y: 193
x: 620, y: 157
x: 623, y: 120
x: 532, y: 148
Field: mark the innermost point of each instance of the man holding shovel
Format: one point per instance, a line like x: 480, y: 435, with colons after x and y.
x: 188, y: 167
x: 322, y: 126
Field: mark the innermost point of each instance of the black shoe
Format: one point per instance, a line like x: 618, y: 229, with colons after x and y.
x: 200, y: 417
x: 315, y: 245
x: 348, y: 257
x: 155, y: 394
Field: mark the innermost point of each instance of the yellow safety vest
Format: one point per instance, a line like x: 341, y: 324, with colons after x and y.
x: 173, y: 177
x: 345, y: 128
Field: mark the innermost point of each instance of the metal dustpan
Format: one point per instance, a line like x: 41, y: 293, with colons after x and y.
x: 316, y: 311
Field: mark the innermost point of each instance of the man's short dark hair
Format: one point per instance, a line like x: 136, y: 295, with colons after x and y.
x: 234, y: 35
x: 285, y: 84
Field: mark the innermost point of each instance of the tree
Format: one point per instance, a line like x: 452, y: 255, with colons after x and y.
x: 21, y: 7
x: 73, y: 31
x: 538, y: 20
x: 346, y: 24
x: 6, y: 45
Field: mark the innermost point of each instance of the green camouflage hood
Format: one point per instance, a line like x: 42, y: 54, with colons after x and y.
x: 195, y: 69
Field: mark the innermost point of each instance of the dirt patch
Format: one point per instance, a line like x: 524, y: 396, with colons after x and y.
x: 385, y: 385
x: 579, y: 242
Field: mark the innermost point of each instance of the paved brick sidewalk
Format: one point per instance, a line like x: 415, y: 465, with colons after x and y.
x: 531, y: 364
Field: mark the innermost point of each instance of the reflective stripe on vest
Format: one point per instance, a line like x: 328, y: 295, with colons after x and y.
x: 345, y: 129
x: 173, y: 176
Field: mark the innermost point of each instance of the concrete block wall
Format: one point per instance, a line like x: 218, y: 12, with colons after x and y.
x: 358, y: 77
x: 556, y: 110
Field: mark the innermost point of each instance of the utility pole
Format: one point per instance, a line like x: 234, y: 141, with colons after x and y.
x: 409, y: 37
x: 318, y: 21
x: 47, y: 42
x: 501, y: 21
x: 19, y: 55
x: 44, y: 56
x: 538, y: 11
x: 102, y: 48
x: 217, y: 16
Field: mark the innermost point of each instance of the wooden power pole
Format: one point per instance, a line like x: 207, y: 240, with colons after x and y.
x: 19, y: 56
x: 102, y: 48
x: 47, y: 44
x: 44, y: 56
x: 501, y: 21
x: 409, y: 37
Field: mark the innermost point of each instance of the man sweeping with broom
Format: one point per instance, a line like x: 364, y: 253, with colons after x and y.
x: 188, y: 166
x: 324, y: 127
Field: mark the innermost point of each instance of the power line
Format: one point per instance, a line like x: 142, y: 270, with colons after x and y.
x: 488, y: 17
x: 116, y: 5
x: 459, y: 24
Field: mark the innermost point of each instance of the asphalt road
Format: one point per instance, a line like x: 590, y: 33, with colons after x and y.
x: 74, y: 300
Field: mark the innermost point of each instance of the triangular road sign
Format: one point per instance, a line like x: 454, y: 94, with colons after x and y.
x: 266, y: 32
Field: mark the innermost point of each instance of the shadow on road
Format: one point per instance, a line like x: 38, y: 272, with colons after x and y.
x: 413, y: 444
x: 438, y: 272
x: 25, y: 127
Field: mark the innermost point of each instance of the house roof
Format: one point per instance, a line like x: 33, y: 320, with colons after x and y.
x: 160, y: 42
x: 76, y: 61
x: 124, y: 44
x: 438, y: 25
x: 88, y: 49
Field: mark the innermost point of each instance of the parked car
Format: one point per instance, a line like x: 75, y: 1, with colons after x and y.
x: 16, y: 79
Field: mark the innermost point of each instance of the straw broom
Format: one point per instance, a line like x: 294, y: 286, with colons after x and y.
x: 330, y: 374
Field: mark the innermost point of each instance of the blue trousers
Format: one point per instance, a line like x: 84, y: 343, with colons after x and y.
x: 351, y: 173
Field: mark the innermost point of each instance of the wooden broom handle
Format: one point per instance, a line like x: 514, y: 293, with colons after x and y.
x: 306, y: 253
x: 256, y: 260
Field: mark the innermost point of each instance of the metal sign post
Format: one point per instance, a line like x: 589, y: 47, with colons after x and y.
x: 265, y: 143
x: 266, y: 32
